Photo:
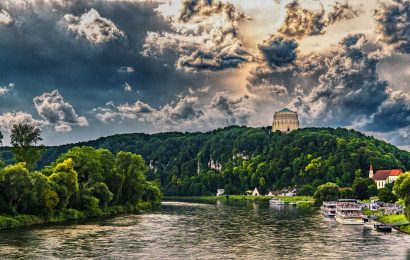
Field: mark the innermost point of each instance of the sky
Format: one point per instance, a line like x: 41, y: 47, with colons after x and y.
x: 80, y: 70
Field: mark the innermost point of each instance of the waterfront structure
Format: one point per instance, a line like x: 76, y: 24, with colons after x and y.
x: 255, y: 192
x: 383, y: 177
x: 220, y: 192
x: 285, y: 121
x: 349, y: 212
x: 329, y: 209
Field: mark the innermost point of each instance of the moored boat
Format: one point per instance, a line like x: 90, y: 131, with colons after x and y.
x: 348, y: 212
x: 328, y: 209
x: 381, y: 227
x: 275, y: 201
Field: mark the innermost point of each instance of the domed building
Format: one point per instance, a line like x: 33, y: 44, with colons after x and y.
x: 285, y: 121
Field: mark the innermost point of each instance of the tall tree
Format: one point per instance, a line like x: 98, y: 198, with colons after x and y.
x: 24, y: 139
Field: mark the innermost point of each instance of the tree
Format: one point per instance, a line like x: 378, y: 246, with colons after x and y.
x: 326, y: 192
x: 65, y: 181
x: 15, y: 187
x: 386, y: 195
x: 361, y: 186
x: 306, y: 190
x: 24, y: 137
x: 133, y: 167
x: 402, y: 190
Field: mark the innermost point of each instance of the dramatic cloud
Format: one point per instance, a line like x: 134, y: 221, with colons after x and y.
x: 350, y: 88
x: 54, y: 110
x: 278, y: 51
x: 189, y: 112
x: 7, y: 120
x: 205, y: 36
x: 5, y: 17
x: 393, y: 25
x: 6, y: 89
x: 93, y: 27
x: 301, y: 22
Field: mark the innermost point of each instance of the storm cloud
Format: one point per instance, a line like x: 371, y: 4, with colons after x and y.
x: 393, y: 25
x: 301, y: 22
x: 205, y: 35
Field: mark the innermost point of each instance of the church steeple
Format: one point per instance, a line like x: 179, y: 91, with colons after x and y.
x: 371, y: 174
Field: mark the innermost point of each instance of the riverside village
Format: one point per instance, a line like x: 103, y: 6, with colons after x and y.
x: 344, y: 209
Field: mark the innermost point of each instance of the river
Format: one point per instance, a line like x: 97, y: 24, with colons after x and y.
x: 206, y: 231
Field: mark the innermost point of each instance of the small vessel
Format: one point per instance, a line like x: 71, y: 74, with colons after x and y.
x: 275, y: 201
x: 381, y: 227
x: 349, y: 212
x: 328, y: 209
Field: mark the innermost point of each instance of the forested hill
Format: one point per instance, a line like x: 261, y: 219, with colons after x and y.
x: 241, y: 158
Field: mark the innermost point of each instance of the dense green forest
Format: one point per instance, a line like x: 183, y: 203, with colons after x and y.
x: 84, y: 182
x: 241, y: 158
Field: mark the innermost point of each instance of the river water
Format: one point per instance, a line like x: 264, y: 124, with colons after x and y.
x: 206, y: 231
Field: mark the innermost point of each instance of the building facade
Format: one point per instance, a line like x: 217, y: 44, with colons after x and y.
x: 383, y: 177
x: 285, y: 121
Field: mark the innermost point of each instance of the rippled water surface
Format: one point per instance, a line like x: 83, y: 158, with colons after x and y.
x: 203, y: 231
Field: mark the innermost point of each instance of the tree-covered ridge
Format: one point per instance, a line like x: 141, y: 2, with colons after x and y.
x: 241, y: 158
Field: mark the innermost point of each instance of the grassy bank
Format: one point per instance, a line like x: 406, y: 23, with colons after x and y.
x: 301, y: 201
x: 397, y: 221
x: 24, y: 220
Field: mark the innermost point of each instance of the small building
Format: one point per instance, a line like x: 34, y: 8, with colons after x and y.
x: 383, y: 177
x: 220, y: 192
x: 270, y: 194
x: 285, y: 121
x: 255, y: 192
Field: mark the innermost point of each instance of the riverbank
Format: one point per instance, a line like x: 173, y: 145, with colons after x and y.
x: 25, y: 220
x: 398, y: 222
x: 301, y: 201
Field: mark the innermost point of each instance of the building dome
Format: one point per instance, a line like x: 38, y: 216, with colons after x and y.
x: 285, y: 121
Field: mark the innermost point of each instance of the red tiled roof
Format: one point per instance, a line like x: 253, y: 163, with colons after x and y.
x: 382, y: 175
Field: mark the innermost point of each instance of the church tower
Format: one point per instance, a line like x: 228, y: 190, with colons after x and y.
x: 371, y: 174
x: 285, y: 121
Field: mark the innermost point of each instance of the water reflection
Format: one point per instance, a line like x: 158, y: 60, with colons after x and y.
x: 191, y: 230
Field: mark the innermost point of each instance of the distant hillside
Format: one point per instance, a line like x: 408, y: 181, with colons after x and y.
x: 241, y: 158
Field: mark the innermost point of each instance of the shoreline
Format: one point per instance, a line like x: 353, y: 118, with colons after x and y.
x: 398, y: 222
x: 301, y: 201
x: 26, y: 220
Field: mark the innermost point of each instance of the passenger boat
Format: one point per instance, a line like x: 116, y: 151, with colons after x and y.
x: 328, y: 209
x: 275, y: 201
x: 349, y: 212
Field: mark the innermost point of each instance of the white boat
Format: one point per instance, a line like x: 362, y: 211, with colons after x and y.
x: 328, y: 209
x: 349, y: 212
x: 276, y: 201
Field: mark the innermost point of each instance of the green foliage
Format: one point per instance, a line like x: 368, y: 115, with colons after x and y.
x: 346, y: 193
x: 326, y: 192
x: 24, y: 137
x: 363, y: 188
x: 306, y: 190
x: 402, y: 190
x: 78, y: 184
x: 386, y: 195
x: 250, y: 157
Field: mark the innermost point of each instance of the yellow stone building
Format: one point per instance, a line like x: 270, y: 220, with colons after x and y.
x: 285, y: 121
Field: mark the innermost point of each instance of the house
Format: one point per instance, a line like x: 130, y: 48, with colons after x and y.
x: 383, y: 177
x: 255, y: 192
x: 270, y: 194
x: 220, y: 192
